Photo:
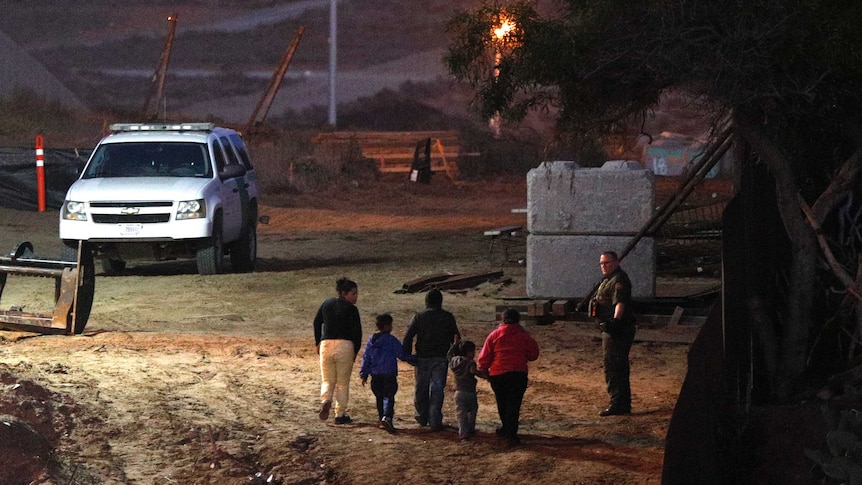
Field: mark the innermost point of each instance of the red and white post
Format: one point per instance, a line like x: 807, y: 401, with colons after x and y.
x: 40, y: 172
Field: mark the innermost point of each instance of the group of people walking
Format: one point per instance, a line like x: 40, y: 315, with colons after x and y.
x: 502, y: 359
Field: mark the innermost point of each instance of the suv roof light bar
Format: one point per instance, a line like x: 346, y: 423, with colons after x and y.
x: 127, y: 127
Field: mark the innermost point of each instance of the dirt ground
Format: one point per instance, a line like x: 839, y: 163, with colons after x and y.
x: 181, y: 378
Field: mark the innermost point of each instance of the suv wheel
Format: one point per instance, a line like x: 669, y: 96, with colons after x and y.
x: 210, y: 256
x: 243, y: 251
x: 69, y: 251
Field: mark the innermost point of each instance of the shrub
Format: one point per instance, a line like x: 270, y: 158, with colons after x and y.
x: 840, y: 460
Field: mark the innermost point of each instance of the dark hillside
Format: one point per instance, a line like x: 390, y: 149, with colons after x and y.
x: 107, y: 51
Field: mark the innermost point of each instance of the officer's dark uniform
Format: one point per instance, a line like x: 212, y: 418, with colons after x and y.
x: 617, y: 337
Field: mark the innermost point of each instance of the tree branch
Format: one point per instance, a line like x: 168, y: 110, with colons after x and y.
x: 843, y: 276
x: 841, y: 184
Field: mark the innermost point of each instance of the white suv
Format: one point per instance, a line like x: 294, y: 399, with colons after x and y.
x: 165, y: 191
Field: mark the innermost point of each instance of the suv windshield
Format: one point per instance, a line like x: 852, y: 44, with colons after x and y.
x: 150, y: 159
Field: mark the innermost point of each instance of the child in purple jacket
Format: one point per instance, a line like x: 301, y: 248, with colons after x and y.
x: 380, y: 362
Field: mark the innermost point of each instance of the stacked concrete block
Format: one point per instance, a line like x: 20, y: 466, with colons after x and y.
x: 573, y: 214
x: 566, y: 267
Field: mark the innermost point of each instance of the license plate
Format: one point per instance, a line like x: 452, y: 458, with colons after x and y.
x: 130, y: 229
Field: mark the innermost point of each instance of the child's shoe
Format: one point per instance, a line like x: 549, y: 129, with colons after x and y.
x: 386, y: 423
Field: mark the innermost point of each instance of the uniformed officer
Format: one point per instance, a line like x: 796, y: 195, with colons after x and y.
x: 613, y: 310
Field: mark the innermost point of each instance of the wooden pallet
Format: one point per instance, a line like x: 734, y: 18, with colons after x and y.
x: 394, y: 150
x: 677, y: 320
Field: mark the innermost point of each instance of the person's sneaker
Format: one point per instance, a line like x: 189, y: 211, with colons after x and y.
x: 437, y: 427
x: 513, y: 441
x: 420, y: 421
x: 387, y: 425
x: 500, y: 432
x: 343, y: 419
x: 324, y: 410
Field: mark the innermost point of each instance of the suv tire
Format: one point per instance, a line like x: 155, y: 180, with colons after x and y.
x: 210, y: 256
x: 243, y: 251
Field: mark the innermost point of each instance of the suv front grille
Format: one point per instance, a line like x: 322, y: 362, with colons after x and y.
x: 159, y: 203
x: 130, y: 219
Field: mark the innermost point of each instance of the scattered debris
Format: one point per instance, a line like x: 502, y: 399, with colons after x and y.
x: 422, y: 283
x: 446, y: 281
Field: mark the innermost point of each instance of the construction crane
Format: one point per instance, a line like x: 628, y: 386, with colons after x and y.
x: 156, y: 95
x: 262, y: 108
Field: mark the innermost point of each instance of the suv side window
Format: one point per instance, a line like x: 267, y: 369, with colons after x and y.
x: 240, y: 148
x: 231, y: 155
x: 218, y: 153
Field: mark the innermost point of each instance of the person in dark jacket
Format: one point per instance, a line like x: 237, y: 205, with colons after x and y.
x: 338, y: 337
x: 435, y: 330
x: 505, y: 355
x: 380, y: 361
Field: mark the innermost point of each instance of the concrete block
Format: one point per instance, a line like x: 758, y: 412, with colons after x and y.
x: 616, y: 199
x: 565, y: 266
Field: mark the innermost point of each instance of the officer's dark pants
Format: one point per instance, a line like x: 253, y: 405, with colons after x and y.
x: 615, y: 349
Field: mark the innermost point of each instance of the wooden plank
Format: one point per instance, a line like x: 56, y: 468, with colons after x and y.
x: 386, y: 167
x: 675, y: 335
x: 469, y: 280
x: 539, y: 308
x: 394, y: 151
x: 507, y: 230
x: 385, y: 135
x: 423, y: 282
x: 451, y: 168
x: 660, y: 321
x: 500, y: 309
x: 561, y: 308
x: 400, y: 155
x: 677, y: 315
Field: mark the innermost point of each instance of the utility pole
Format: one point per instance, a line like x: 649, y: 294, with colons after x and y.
x: 275, y: 82
x: 157, y: 88
x: 333, y: 27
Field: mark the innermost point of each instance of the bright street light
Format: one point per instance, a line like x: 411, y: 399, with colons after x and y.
x: 500, y: 33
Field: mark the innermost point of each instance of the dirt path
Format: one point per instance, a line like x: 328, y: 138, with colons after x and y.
x: 188, y: 379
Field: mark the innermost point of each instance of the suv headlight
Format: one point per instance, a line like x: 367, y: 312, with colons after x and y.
x: 191, y: 209
x: 74, y: 211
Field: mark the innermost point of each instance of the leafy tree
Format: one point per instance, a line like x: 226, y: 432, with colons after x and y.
x: 784, y: 75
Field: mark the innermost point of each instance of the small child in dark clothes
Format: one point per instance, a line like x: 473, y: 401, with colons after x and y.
x: 379, y: 362
x: 461, y: 356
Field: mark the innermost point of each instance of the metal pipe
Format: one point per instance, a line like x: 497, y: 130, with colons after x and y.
x: 31, y: 271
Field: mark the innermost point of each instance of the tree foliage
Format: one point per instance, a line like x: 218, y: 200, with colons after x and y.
x: 785, y: 75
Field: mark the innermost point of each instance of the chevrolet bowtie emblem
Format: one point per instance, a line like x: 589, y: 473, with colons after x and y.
x: 130, y: 210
